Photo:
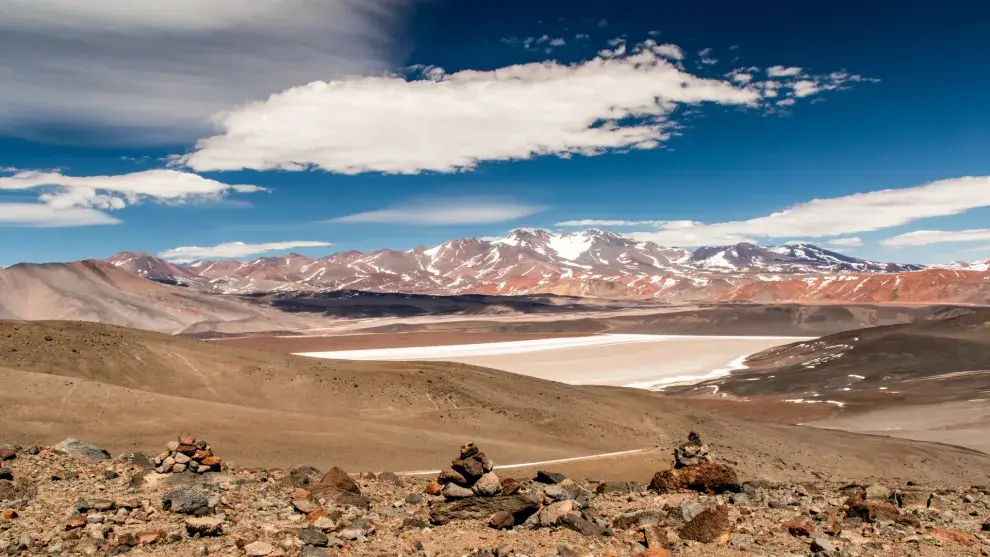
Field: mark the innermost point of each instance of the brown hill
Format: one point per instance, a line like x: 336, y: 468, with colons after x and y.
x: 120, y: 387
x: 100, y: 292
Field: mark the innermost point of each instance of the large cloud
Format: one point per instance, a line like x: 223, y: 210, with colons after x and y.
x: 445, y: 122
x: 446, y: 212
x: 116, y: 192
x: 821, y: 218
x: 163, y: 67
x: 186, y: 254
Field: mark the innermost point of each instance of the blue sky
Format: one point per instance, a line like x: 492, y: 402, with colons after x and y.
x: 100, y: 148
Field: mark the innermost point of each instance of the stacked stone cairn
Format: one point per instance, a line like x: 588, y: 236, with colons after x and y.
x: 470, y: 475
x: 695, y: 451
x: 187, y: 454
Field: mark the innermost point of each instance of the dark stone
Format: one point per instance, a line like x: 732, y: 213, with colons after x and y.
x: 110, y: 474
x: 311, y: 551
x: 185, y: 501
x: 7, y: 454
x: 304, y: 477
x: 414, y: 499
x: 6, y: 474
x: 576, y: 522
x: 390, y: 477
x: 451, y: 476
x: 141, y: 460
x: 470, y: 468
x: 502, y: 520
x: 82, y: 449
x: 545, y: 477
x: 619, y: 488
x: 709, y: 526
x: 637, y: 519
x: 414, y: 523
x: 521, y: 507
x: 352, y: 499
x: 510, y: 486
x: 336, y: 481
x: 311, y: 535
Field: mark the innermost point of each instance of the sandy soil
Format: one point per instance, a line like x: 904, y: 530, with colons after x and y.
x: 640, y: 361
x: 294, y: 344
x: 128, y: 389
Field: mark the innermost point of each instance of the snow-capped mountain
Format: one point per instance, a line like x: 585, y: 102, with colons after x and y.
x: 592, y: 262
x: 982, y: 265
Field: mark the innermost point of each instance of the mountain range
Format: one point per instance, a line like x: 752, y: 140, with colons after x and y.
x: 141, y: 290
x: 592, y: 263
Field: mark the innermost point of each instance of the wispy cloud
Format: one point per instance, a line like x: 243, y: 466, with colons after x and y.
x: 434, y: 212
x: 838, y: 216
x: 116, y: 192
x: 625, y: 98
x: 39, y: 215
x: 186, y: 254
x: 927, y: 237
x: 620, y: 223
x: 852, y: 241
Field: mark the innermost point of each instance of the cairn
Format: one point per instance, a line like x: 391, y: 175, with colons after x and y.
x: 695, y: 451
x: 187, y: 454
x: 470, y: 475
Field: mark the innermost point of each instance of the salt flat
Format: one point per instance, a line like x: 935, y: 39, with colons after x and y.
x: 630, y: 360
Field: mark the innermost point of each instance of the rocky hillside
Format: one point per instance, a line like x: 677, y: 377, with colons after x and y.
x: 73, y: 499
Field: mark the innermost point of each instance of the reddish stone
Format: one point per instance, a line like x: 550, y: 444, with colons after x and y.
x: 201, y: 454
x: 705, y: 477
x: 873, y: 510
x: 187, y: 450
x: 336, y: 481
x: 710, y: 526
x: 316, y: 515
x: 655, y: 552
x: 150, y: 537
x: 300, y: 493
x: 7, y: 454
x: 510, y: 486
x: 8, y: 514
x: 211, y: 461
x: 799, y: 529
x: 433, y: 488
x: 186, y: 438
x: 368, y: 476
x: 77, y: 521
x: 951, y: 535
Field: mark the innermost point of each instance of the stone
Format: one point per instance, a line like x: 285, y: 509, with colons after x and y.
x: 6, y: 474
x: 168, y: 462
x: 390, y: 477
x: 305, y: 506
x: 545, y: 477
x: 150, y: 537
x: 655, y: 552
x: 304, y: 477
x: 311, y: 551
x: 186, y: 438
x: 454, y: 491
x: 706, y: 477
x: 179, y: 468
x: 172, y: 446
x: 8, y: 514
x: 510, y: 486
x: 877, y: 492
x: 204, y: 526
x: 202, y: 469
x: 619, y: 488
x: 433, y: 488
x: 581, y: 525
x: 414, y: 523
x: 488, y: 485
x: 312, y: 535
x: 34, y: 450
x: 798, y: 529
x: 690, y: 509
x: 77, y: 521
x: 522, y: 506
x: 449, y: 475
x: 550, y: 514
x: 637, y: 519
x: 502, y: 520
x: 82, y: 449
x: 258, y: 549
x: 821, y: 544
x: 185, y: 500
x: 710, y: 526
x: 470, y: 468
x: 954, y: 536
x: 336, y: 481
x: 7, y: 454
x: 872, y: 511
x: 181, y: 458
x: 110, y: 474
x: 353, y: 500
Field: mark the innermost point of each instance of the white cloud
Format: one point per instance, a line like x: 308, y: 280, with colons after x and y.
x: 617, y: 223
x: 927, y: 237
x: 45, y: 216
x: 822, y: 218
x: 667, y: 50
x: 558, y: 42
x: 116, y: 192
x: 156, y: 70
x: 428, y: 212
x: 186, y: 254
x: 781, y: 71
x: 852, y: 241
x: 445, y: 122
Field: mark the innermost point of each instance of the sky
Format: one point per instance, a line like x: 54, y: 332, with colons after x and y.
x: 222, y: 129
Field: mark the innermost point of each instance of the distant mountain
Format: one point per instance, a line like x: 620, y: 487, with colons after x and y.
x: 589, y: 263
x: 983, y: 265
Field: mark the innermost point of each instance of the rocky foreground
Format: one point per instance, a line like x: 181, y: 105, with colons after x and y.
x: 74, y: 499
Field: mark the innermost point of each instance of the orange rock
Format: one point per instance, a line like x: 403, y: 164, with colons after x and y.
x: 299, y: 493
x: 201, y: 454
x: 433, y: 488
x: 77, y: 521
x: 211, y: 461
x: 368, y: 476
x: 8, y: 514
x: 712, y: 525
x: 186, y: 438
x: 150, y: 537
x: 655, y: 552
x: 705, y: 477
x: 799, y: 529
x: 951, y: 535
x: 316, y: 515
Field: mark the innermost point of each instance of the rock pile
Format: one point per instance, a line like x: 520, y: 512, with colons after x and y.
x: 187, y: 454
x: 470, y: 475
x: 694, y: 470
x: 695, y: 451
